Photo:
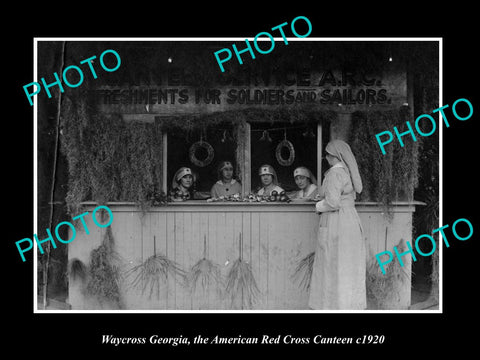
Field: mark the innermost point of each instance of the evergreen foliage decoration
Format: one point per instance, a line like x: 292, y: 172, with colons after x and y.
x: 390, y: 177
x: 240, y: 283
x: 385, y: 289
x: 426, y: 217
x: 149, y: 274
x: 293, y: 114
x: 204, y: 275
x: 108, y: 158
x: 104, y: 273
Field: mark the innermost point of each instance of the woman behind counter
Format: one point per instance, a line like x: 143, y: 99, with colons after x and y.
x: 338, y: 277
x: 269, y: 180
x: 306, y: 182
x: 226, y: 185
x: 183, y: 186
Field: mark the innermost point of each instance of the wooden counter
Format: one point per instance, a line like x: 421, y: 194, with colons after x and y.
x: 276, y: 237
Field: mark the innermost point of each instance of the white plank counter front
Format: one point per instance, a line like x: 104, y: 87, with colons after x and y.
x: 276, y: 237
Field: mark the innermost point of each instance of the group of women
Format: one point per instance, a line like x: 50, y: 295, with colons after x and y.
x: 227, y: 185
x: 338, y: 276
x: 184, y: 178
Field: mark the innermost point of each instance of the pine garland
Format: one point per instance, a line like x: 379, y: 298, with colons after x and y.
x: 390, y: 177
x: 291, y: 114
x: 108, y: 159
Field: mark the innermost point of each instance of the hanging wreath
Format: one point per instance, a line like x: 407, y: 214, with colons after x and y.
x: 193, y: 153
x: 291, y: 153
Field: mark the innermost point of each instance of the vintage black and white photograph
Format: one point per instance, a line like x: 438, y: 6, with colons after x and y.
x: 195, y: 181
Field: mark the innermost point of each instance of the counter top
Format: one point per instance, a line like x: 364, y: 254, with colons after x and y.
x: 241, y: 206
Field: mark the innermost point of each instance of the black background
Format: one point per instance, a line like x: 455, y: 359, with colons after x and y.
x: 64, y: 335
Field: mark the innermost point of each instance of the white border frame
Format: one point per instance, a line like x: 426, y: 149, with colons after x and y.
x: 308, y: 39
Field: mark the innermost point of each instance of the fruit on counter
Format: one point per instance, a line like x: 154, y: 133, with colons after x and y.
x: 234, y: 197
x: 278, y: 197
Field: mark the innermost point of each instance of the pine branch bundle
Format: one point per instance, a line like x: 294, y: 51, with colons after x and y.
x: 77, y: 270
x: 152, y: 272
x: 204, y: 274
x: 104, y: 272
x: 385, y: 289
x: 241, y: 283
x: 303, y: 271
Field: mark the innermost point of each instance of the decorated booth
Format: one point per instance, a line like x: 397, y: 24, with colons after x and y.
x: 126, y: 136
